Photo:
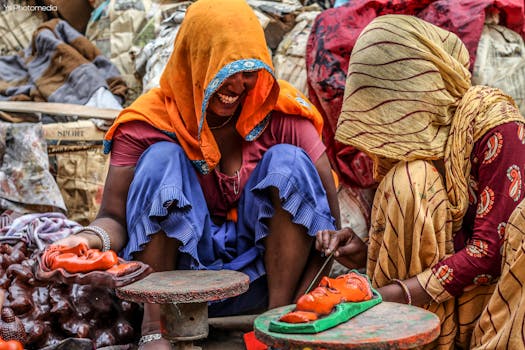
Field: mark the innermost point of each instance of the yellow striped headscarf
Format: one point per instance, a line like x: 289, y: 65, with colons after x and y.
x: 408, y: 96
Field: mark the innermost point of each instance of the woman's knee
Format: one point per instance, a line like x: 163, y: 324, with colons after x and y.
x: 161, y: 152
x: 286, y: 150
x: 162, y: 158
x: 162, y: 176
x: 289, y: 159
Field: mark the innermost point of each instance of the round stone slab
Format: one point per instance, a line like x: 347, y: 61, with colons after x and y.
x: 385, y: 326
x: 185, y: 286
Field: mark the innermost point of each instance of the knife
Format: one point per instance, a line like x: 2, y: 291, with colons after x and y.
x: 319, y: 272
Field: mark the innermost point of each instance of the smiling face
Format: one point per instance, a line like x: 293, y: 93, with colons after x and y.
x: 230, y: 95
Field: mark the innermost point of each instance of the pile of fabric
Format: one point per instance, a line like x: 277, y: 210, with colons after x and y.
x: 61, y: 65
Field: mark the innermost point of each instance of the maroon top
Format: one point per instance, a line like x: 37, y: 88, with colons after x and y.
x: 495, y: 189
x: 221, y: 191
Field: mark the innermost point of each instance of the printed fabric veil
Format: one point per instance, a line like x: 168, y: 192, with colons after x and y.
x: 408, y: 96
x: 217, y: 39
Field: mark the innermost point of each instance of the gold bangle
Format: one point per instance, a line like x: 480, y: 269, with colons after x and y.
x: 403, y: 285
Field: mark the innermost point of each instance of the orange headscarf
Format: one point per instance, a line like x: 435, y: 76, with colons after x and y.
x: 217, y: 39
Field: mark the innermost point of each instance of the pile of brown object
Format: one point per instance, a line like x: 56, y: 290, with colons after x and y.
x: 51, y: 312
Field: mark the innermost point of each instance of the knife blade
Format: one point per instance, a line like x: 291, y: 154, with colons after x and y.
x: 328, y: 258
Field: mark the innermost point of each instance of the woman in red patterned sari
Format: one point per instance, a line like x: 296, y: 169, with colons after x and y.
x: 450, y: 159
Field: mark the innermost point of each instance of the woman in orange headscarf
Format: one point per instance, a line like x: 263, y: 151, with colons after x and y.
x: 221, y: 167
x: 449, y: 159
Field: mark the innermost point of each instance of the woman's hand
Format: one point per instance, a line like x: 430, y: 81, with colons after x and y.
x: 349, y: 249
x: 92, y: 241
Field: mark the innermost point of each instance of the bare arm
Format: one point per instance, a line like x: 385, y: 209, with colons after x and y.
x: 394, y: 292
x: 325, y: 172
x: 351, y: 251
x: 112, y: 213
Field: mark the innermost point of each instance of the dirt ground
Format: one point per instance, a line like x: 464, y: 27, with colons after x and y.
x: 219, y: 339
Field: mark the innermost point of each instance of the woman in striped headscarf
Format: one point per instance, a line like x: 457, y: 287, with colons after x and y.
x: 449, y: 158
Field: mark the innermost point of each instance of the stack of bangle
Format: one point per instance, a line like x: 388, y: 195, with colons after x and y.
x: 101, y: 233
x: 403, y: 285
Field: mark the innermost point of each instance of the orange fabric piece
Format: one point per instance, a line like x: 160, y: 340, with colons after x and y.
x: 321, y: 300
x: 92, y: 260
x: 299, y: 317
x: 232, y: 215
x: 11, y: 345
x: 79, y: 258
x: 53, y: 251
x: 350, y: 287
x: 123, y: 269
x: 253, y: 343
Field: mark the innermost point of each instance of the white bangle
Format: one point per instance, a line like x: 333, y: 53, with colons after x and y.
x: 406, y: 291
x: 101, y: 233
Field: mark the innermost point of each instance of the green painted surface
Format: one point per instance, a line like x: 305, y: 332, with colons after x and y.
x: 384, y: 326
x: 342, y: 313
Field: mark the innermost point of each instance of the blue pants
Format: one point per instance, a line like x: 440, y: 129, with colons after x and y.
x: 165, y: 195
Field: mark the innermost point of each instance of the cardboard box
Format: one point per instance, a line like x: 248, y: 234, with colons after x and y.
x: 79, y: 131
